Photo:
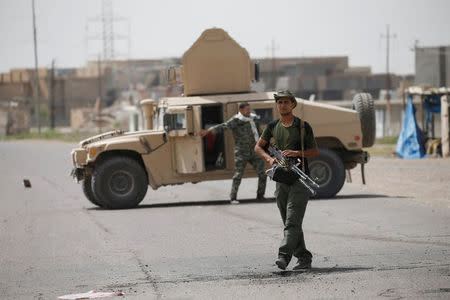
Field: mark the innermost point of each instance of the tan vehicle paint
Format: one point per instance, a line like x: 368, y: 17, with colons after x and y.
x: 174, y: 153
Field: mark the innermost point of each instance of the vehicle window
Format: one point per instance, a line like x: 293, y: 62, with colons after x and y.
x: 174, y: 121
x: 265, y: 115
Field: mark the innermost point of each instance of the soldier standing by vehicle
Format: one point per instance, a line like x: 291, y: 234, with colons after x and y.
x: 291, y: 199
x: 246, y: 134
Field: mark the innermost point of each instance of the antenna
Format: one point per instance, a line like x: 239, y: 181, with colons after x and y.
x: 388, y: 80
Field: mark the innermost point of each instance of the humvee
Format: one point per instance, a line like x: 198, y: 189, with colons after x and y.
x: 117, y: 167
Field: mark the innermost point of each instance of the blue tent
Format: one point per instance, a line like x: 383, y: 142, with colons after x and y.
x: 409, y: 144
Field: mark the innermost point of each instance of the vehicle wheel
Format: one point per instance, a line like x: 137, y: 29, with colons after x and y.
x: 87, y: 190
x: 119, y: 182
x: 363, y: 104
x: 328, y: 171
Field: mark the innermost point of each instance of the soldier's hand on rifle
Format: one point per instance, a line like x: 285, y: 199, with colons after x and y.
x: 203, y: 132
x: 272, y: 161
x: 290, y: 153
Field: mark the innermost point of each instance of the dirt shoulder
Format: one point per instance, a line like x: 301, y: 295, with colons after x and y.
x: 424, y: 180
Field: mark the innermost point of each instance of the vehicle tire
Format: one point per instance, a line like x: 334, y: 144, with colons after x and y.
x: 86, y: 185
x: 328, y: 170
x: 119, y: 182
x: 363, y: 104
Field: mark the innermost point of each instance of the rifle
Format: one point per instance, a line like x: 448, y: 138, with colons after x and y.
x: 289, y: 164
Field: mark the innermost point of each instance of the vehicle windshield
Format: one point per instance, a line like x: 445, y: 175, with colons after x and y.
x: 174, y: 121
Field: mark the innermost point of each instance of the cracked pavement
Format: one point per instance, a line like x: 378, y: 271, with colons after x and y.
x: 188, y: 242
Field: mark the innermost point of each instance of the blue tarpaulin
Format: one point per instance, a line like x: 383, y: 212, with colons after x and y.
x: 409, y: 144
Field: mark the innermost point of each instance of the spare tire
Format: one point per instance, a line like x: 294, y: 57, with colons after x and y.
x: 363, y: 104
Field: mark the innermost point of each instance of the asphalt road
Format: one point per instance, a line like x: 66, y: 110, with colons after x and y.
x: 187, y: 242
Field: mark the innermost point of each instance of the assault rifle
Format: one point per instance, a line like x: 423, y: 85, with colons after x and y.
x: 289, y: 164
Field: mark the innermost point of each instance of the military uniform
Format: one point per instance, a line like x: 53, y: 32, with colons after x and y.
x: 292, y: 199
x: 244, y: 144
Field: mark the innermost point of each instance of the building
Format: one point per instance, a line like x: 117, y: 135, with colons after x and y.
x: 327, y: 78
x: 433, y: 66
x: 73, y: 88
x: 323, y: 78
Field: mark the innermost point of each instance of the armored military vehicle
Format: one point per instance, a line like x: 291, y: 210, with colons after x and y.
x: 117, y: 167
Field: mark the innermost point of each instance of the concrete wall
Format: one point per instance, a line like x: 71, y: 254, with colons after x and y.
x: 14, y: 120
x: 3, y: 122
x: 11, y: 90
x: 81, y: 90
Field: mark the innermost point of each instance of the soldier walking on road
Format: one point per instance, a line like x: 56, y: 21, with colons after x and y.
x: 246, y: 134
x: 291, y: 199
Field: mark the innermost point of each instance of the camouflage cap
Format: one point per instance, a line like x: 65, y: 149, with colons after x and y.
x: 285, y: 94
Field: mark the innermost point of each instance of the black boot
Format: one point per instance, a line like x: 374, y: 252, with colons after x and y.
x: 260, y: 197
x: 303, y: 264
x: 282, y: 262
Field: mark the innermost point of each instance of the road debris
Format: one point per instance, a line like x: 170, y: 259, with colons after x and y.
x: 91, y: 295
x: 26, y: 183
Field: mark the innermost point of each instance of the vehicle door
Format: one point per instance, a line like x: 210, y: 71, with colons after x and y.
x: 182, y: 124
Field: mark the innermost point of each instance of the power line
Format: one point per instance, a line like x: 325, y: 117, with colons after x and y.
x: 107, y: 35
x: 108, y: 30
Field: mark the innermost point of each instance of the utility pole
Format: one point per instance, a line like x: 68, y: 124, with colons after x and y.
x: 99, y: 99
x: 273, y: 66
x: 444, y: 126
x: 36, y: 74
x: 273, y: 79
x: 52, y: 96
x: 388, y: 82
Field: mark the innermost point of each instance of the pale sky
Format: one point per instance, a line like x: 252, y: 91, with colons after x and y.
x: 160, y: 29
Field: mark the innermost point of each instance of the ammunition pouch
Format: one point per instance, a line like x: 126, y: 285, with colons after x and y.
x: 279, y: 174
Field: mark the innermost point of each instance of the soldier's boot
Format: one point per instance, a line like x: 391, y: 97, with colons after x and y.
x: 282, y: 261
x: 262, y: 179
x: 260, y: 197
x: 234, y: 190
x: 303, y: 264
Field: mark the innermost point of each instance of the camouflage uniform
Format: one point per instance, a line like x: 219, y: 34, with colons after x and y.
x: 244, y: 144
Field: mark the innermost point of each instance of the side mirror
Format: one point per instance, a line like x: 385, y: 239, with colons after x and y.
x: 167, y: 122
x: 257, y: 71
